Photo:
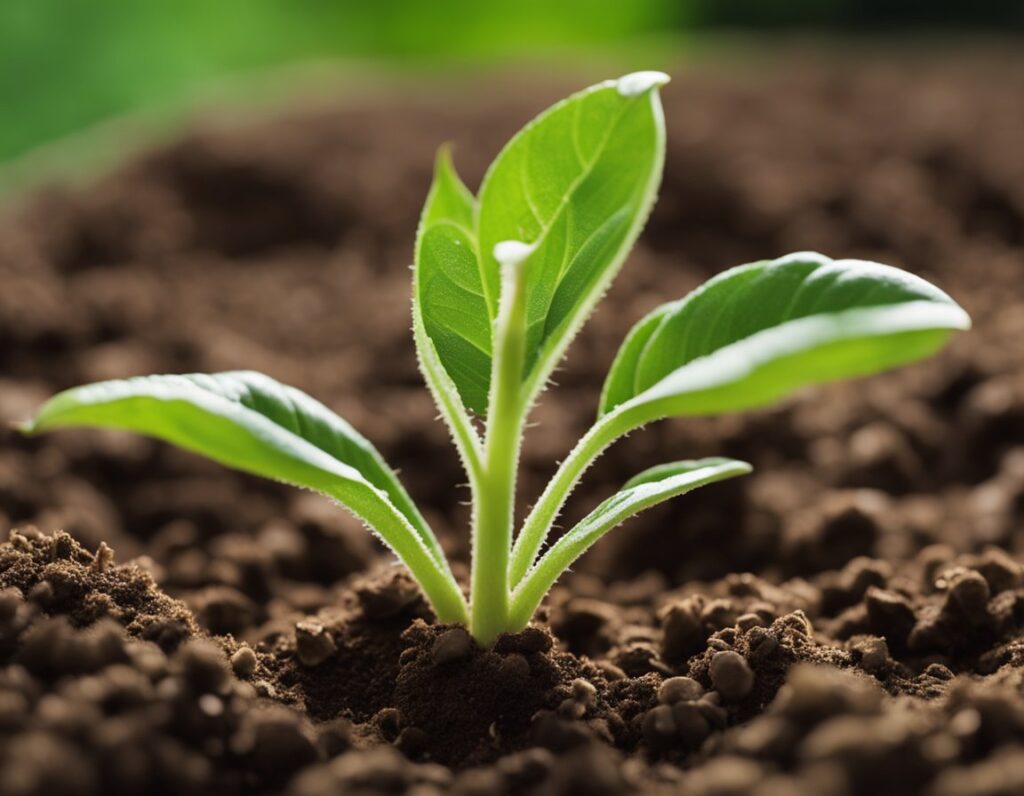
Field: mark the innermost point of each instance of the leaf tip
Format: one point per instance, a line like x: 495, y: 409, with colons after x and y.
x: 637, y: 83
x: 443, y: 158
x: 25, y: 427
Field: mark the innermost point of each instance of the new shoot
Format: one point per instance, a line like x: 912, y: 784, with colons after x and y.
x: 504, y: 280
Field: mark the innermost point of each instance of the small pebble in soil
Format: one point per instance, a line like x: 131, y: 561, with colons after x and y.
x: 452, y: 645
x: 684, y: 634
x: 389, y: 722
x: 204, y: 667
x: 970, y: 592
x: 873, y: 651
x: 104, y: 558
x: 659, y: 725
x: 584, y: 692
x: 514, y: 667
x: 731, y: 675
x: 889, y: 614
x: 711, y: 710
x: 313, y: 643
x: 679, y: 689
x: 243, y: 662
x: 692, y: 725
x: 571, y: 709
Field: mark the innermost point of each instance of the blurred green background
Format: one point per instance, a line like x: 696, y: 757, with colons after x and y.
x: 66, y: 65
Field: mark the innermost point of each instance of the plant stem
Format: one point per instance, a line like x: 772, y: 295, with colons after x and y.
x: 538, y: 523
x: 492, y: 531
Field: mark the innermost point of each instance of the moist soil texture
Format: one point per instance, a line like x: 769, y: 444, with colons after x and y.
x: 847, y: 620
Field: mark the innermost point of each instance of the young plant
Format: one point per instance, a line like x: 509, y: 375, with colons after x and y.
x: 503, y: 282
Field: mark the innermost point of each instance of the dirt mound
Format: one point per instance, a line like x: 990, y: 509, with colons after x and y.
x: 847, y: 620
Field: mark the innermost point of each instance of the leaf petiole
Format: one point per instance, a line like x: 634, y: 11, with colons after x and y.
x: 538, y: 523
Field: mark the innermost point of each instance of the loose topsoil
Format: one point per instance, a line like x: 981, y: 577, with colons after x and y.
x: 846, y: 620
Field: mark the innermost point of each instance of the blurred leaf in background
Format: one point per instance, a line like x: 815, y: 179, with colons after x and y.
x: 68, y: 64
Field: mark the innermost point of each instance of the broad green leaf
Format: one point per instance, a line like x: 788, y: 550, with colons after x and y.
x: 757, y: 332
x: 649, y: 488
x: 745, y: 339
x: 620, y: 383
x: 577, y: 183
x: 449, y: 293
x: 252, y: 423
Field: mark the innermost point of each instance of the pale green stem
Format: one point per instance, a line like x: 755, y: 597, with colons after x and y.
x: 495, y: 514
x: 538, y: 523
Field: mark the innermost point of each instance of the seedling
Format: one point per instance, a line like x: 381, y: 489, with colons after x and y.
x: 503, y: 282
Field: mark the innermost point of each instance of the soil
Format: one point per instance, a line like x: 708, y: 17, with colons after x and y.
x: 846, y: 620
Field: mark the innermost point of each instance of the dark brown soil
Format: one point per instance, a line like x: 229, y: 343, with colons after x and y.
x: 849, y: 619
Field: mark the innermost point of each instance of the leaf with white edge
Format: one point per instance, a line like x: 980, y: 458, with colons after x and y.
x: 649, y: 488
x: 758, y: 332
x: 577, y: 183
x: 619, y: 385
x: 252, y: 423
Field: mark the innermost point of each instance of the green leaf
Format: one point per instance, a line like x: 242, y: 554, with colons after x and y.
x: 449, y: 198
x: 649, y: 488
x: 620, y: 384
x: 578, y: 183
x: 454, y: 311
x: 449, y: 293
x: 746, y: 338
x: 757, y: 332
x: 446, y: 271
x: 252, y: 423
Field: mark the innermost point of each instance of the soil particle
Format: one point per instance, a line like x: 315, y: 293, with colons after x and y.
x: 243, y: 662
x: 452, y: 645
x: 679, y: 689
x: 730, y: 675
x: 313, y: 644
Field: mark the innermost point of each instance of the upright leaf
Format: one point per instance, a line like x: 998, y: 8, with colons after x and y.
x: 452, y: 312
x: 251, y: 422
x: 577, y: 182
x: 759, y: 331
x: 449, y: 199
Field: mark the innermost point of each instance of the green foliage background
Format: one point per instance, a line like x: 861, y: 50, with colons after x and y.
x: 68, y: 64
